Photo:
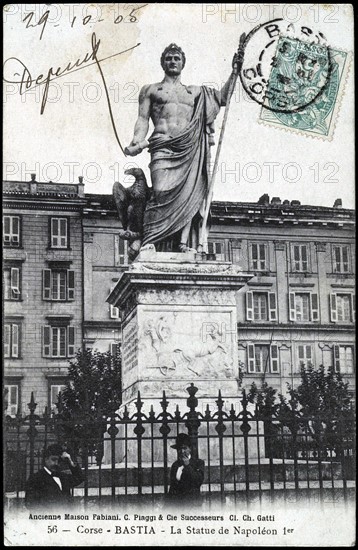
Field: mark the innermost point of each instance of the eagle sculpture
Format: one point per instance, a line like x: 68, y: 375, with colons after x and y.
x: 131, y: 202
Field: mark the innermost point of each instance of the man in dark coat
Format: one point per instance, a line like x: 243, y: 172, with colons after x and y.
x: 187, y: 473
x: 51, y: 485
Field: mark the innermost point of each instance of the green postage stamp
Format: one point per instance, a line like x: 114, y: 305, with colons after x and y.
x: 305, y: 87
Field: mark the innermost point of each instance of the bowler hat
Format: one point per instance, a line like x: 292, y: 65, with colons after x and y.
x: 181, y: 440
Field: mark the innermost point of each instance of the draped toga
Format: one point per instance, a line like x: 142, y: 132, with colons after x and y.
x: 182, y: 162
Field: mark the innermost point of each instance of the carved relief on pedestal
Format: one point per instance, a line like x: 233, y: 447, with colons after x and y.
x: 176, y: 349
x: 198, y: 296
x: 222, y: 269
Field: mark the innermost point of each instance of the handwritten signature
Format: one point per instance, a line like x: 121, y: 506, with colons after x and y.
x: 28, y: 82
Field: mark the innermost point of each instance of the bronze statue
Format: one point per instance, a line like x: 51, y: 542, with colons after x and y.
x: 130, y: 203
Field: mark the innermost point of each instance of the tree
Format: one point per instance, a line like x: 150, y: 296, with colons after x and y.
x: 325, y: 406
x: 318, y: 412
x: 92, y: 393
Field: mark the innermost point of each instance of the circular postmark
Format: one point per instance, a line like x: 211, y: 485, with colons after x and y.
x: 285, y: 69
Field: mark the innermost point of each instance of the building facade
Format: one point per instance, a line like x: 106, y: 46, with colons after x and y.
x: 62, y: 256
x: 299, y: 307
x: 42, y: 288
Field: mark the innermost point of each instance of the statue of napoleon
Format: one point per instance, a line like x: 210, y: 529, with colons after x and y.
x: 170, y: 216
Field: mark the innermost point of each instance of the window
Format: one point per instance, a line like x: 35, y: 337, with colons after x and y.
x: 58, y: 284
x: 263, y: 358
x: 259, y: 261
x: 12, y: 340
x: 303, y: 306
x: 114, y: 312
x: 304, y: 353
x: 11, y: 279
x: 59, y: 233
x: 58, y: 341
x: 342, y: 308
x: 55, y: 389
x: 261, y: 306
x: 300, y: 258
x: 217, y: 248
x: 11, y: 399
x: 114, y: 348
x: 11, y: 231
x: 343, y: 359
x: 341, y: 259
x: 120, y: 251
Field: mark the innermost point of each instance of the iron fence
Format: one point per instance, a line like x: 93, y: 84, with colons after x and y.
x: 130, y: 451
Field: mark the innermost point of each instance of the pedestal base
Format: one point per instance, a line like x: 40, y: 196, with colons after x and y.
x: 179, y: 325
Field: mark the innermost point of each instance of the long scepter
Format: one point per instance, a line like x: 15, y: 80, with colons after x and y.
x: 232, y: 84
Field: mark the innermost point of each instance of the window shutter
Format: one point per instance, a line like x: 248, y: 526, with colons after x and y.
x: 15, y: 228
x: 7, y: 339
x: 15, y: 231
x: 301, y: 353
x: 113, y: 348
x: 254, y: 256
x: 15, y: 341
x: 63, y: 232
x: 333, y: 299
x: 336, y: 361
x: 71, y: 341
x: 262, y: 252
x: 274, y: 358
x: 46, y: 341
x: 295, y: 257
x: 54, y: 232
x: 249, y: 306
x: 314, y: 307
x: 292, y: 307
x: 7, y: 229
x: 70, y: 284
x: 353, y: 308
x: 251, y: 357
x: 12, y: 400
x: 15, y: 282
x: 272, y: 306
x: 46, y: 284
x: 345, y: 259
x: 304, y: 258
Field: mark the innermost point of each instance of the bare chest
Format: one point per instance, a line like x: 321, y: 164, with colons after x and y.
x: 180, y: 96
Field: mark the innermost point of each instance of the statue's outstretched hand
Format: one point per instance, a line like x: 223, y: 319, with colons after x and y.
x: 238, y: 58
x: 237, y: 61
x: 134, y: 148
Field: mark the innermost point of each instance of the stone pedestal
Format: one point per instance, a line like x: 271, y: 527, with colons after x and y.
x: 179, y: 325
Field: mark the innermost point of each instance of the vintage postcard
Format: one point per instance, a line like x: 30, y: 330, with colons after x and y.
x: 179, y: 274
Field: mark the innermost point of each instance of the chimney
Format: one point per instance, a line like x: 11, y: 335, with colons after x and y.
x: 275, y: 200
x: 295, y: 203
x: 81, y: 187
x: 337, y: 203
x: 265, y: 199
x: 33, y: 184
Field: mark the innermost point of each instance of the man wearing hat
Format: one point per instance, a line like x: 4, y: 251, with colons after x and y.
x: 52, y: 485
x: 187, y: 472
